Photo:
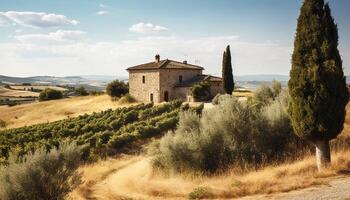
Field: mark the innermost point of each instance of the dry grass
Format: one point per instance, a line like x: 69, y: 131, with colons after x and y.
x: 4, y: 92
x: 244, y: 93
x: 38, y: 87
x: 48, y: 111
x: 136, y: 179
x: 133, y: 177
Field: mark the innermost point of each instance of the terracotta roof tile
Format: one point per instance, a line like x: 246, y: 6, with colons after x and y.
x: 165, y: 64
x: 198, y: 79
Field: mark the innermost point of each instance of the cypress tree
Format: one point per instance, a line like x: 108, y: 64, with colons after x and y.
x: 227, y: 76
x: 317, y: 84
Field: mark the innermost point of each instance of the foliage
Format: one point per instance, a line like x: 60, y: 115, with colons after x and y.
x: 41, y: 175
x: 127, y: 98
x: 2, y: 123
x: 50, y: 94
x: 232, y: 132
x: 220, y: 97
x: 317, y: 84
x: 227, y: 76
x: 102, y: 132
x: 201, y: 90
x: 117, y: 88
x: 201, y: 193
x: 262, y: 97
x: 81, y: 91
x: 276, y: 88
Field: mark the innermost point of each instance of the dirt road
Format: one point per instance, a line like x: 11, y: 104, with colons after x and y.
x: 337, y: 189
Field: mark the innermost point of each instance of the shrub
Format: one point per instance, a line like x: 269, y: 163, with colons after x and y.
x: 41, y: 175
x: 220, y: 97
x: 201, y: 193
x: 232, y: 132
x: 50, y: 94
x: 117, y: 88
x: 276, y: 87
x: 261, y: 97
x: 2, y: 123
x: 81, y: 91
x: 127, y: 98
x: 201, y: 90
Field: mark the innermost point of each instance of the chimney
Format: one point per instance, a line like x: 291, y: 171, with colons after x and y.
x: 184, y: 62
x: 157, y: 57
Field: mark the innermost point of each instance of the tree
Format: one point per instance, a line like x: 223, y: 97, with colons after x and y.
x: 227, y: 76
x: 50, y: 94
x: 81, y: 91
x: 117, y: 88
x: 317, y: 84
x: 201, y: 91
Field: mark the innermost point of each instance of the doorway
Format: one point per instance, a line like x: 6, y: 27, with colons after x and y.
x: 151, y: 97
x: 166, y: 96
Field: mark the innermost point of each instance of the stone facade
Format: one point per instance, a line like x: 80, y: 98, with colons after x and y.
x: 166, y: 80
x: 143, y: 84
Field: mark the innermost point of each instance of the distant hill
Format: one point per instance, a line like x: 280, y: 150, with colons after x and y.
x: 90, y: 82
x: 262, y: 77
x: 9, y: 79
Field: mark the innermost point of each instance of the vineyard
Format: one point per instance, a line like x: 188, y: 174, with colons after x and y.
x: 100, y: 133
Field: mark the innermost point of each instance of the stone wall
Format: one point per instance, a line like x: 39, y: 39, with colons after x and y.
x: 216, y: 87
x: 170, y: 77
x: 142, y: 91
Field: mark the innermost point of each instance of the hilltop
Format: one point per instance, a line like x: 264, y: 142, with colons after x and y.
x: 40, y: 112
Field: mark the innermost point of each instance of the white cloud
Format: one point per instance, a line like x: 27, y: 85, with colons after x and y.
x: 18, y: 31
x: 34, y: 19
x: 31, y: 57
x: 60, y: 36
x: 102, y: 12
x: 102, y: 5
x: 147, y: 28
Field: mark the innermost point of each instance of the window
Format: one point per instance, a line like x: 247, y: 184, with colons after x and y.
x: 143, y: 79
x: 180, y: 79
x: 151, y: 97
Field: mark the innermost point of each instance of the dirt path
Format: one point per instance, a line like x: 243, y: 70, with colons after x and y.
x: 337, y: 189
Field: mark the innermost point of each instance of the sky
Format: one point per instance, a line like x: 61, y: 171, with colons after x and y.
x: 104, y: 37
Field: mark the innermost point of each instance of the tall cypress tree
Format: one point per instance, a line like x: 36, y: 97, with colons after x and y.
x: 227, y: 76
x: 317, y: 84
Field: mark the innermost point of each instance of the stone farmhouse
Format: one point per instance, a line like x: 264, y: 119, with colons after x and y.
x: 164, y: 80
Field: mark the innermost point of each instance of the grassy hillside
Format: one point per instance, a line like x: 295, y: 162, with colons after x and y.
x: 40, y: 112
x: 4, y: 92
x: 132, y: 177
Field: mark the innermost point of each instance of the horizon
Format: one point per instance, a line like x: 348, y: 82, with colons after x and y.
x: 40, y: 38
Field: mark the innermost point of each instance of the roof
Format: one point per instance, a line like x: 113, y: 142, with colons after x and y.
x: 165, y: 64
x: 198, y: 79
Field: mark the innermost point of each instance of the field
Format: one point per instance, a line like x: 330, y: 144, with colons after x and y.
x: 37, y: 87
x: 40, y: 112
x: 4, y: 92
x: 132, y: 177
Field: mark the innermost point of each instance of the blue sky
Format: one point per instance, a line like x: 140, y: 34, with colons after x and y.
x: 65, y: 37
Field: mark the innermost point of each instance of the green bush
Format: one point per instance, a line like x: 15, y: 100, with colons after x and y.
x: 81, y: 91
x: 50, y: 94
x: 233, y: 132
x: 201, y: 91
x: 117, y: 88
x: 41, y: 175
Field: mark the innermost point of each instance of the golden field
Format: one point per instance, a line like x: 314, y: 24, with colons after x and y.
x: 37, y: 87
x: 48, y: 111
x: 4, y: 92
